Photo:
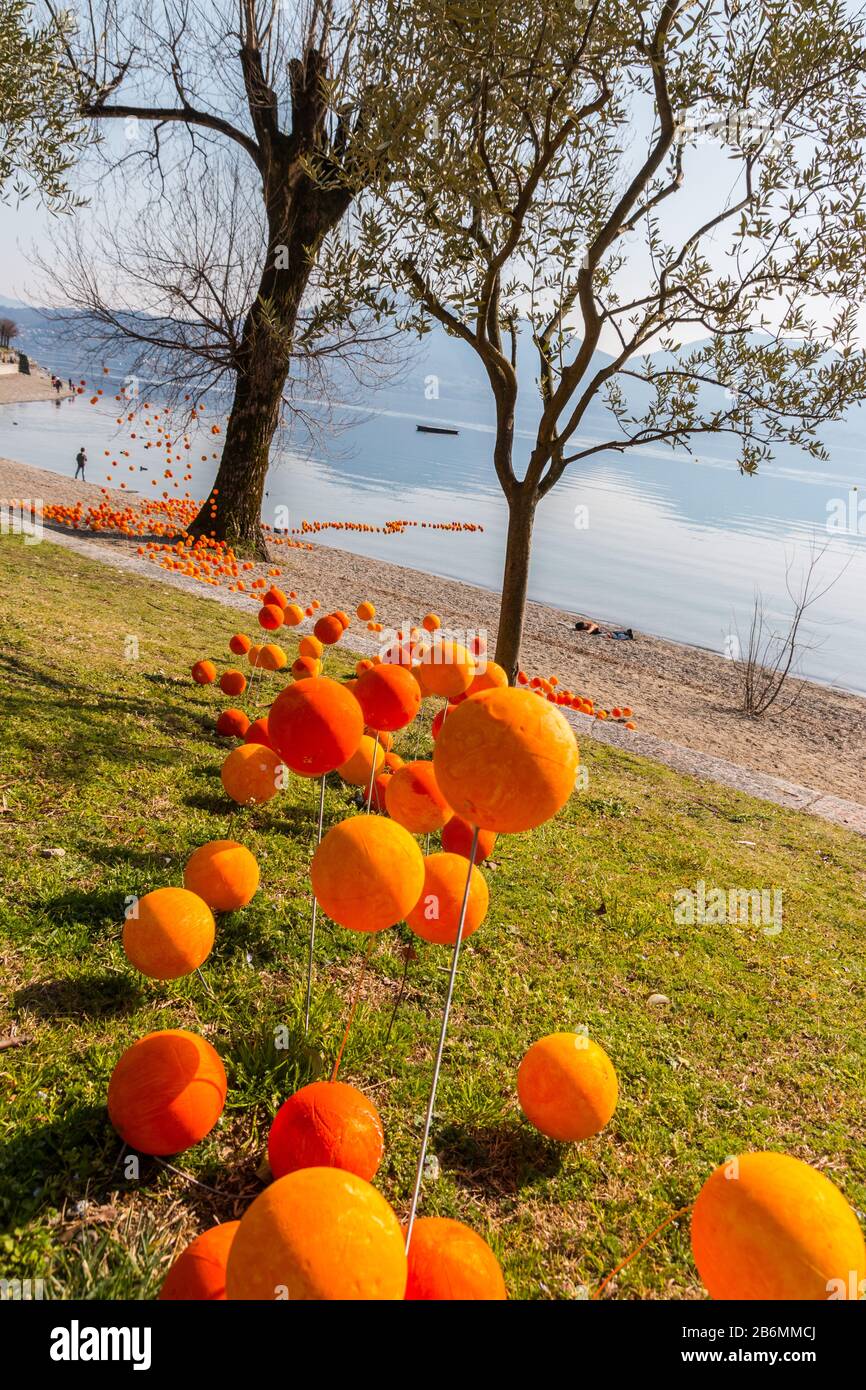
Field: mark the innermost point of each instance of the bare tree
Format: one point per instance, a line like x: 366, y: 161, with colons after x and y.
x: 283, y: 87
x: 771, y: 655
x: 539, y: 195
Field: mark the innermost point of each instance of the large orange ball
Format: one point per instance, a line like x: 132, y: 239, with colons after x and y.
x: 233, y: 683
x: 415, y: 800
x: 316, y: 725
x: 506, y: 760
x: 567, y: 1086
x: 327, y: 1125
x: 457, y: 837
x: 493, y: 677
x: 166, y: 1092
x: 223, y: 873
x: 272, y: 657
x: 367, y: 873
x: 199, y: 1272
x: 356, y: 770
x: 232, y: 723
x: 448, y: 1260
x: 329, y: 630
x: 389, y: 697
x: 250, y: 773
x: 270, y: 616
x: 204, y: 673
x: 447, y: 669
x: 436, y: 915
x: 240, y: 644
x: 318, y: 1234
x: 171, y: 934
x: 767, y: 1226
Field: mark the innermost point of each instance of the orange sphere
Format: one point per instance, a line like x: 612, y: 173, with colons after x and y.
x: 447, y: 669
x: 432, y: 622
x: 393, y: 761
x: 327, y: 1125
x: 567, y: 1086
x: 233, y: 682
x: 389, y: 696
x: 366, y: 612
x: 315, y: 725
x: 258, y: 733
x: 344, y: 619
x: 253, y: 654
x: 204, y: 673
x: 310, y: 646
x: 448, y: 1260
x: 223, y: 873
x: 329, y: 630
x: 491, y: 678
x: 318, y: 1234
x: 306, y: 667
x: 272, y: 657
x: 386, y: 740
x: 768, y: 1226
x: 415, y: 799
x: 356, y: 769
x: 378, y: 800
x: 293, y: 615
x: 506, y: 760
x: 170, y: 935
x: 250, y: 773
x: 367, y: 873
x: 457, y: 839
x: 232, y: 723
x: 270, y: 617
x: 199, y: 1272
x: 166, y: 1092
x: 436, y: 915
x: 276, y: 596
x: 240, y: 644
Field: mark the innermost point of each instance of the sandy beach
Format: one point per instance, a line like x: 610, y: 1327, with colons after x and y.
x: 679, y: 693
x: 19, y: 388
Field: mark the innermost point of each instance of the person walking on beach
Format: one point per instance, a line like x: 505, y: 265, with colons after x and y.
x: 80, y: 461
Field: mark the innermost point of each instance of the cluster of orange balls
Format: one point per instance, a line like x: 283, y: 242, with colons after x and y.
x: 390, y: 528
x: 583, y: 704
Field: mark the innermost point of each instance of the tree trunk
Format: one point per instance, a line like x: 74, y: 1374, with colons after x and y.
x: 522, y: 502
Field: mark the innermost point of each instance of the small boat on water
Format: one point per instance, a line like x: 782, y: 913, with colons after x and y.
x: 436, y: 429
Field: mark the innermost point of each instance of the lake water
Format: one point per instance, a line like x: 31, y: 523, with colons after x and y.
x: 664, y: 543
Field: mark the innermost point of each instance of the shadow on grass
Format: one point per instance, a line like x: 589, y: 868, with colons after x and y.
x: 507, y: 1156
x: 92, y: 996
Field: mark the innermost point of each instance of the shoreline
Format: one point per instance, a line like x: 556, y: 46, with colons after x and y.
x: 680, y: 694
x: 19, y: 388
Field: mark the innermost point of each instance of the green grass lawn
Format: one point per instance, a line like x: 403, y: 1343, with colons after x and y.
x: 116, y: 762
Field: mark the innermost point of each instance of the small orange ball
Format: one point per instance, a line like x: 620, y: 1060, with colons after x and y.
x: 223, y: 873
x: 415, y: 799
x: 318, y: 1234
x: 389, y: 697
x: 199, y: 1272
x: 253, y: 654
x: 166, y: 1092
x: 449, y: 1261
x: 204, y: 673
x: 251, y: 774
x: 506, y: 760
x: 310, y: 646
x: 567, y: 1086
x: 240, y: 644
x: 366, y: 612
x: 367, y: 873
x: 436, y: 915
x: 768, y: 1226
x: 258, y: 732
x: 446, y: 669
x: 170, y: 935
x: 272, y: 657
x: 457, y: 839
x: 293, y: 615
x: 316, y: 725
x: 492, y: 677
x: 356, y: 770
x: 328, y: 630
x: 233, y: 683
x: 327, y: 1125
x: 270, y: 617
x: 432, y: 622
x: 232, y: 723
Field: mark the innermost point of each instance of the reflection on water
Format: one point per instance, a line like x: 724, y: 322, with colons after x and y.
x: 672, y: 545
